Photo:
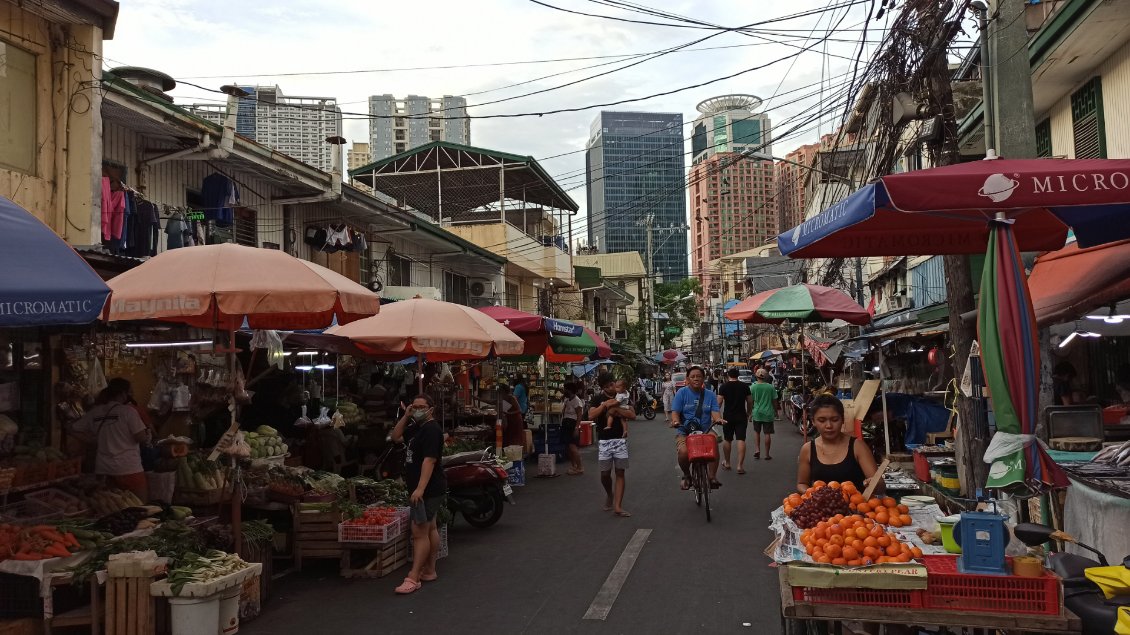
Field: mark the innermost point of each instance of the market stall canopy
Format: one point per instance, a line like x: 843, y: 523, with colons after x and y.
x: 522, y: 323
x: 1073, y: 281
x: 947, y: 210
x: 670, y: 356
x: 224, y: 286
x: 799, y: 303
x: 558, y: 340
x: 440, y: 331
x: 43, y: 282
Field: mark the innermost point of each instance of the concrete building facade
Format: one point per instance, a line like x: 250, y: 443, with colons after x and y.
x: 634, y: 169
x: 398, y: 125
x: 790, y: 174
x: 296, y: 126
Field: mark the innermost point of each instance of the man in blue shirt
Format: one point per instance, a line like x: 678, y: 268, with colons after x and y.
x: 695, y: 409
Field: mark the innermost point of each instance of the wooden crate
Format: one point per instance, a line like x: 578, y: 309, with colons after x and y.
x: 359, y: 560
x: 129, y: 606
x: 315, y: 534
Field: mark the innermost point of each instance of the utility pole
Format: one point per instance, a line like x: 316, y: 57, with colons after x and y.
x: 649, y: 339
x: 1011, y: 81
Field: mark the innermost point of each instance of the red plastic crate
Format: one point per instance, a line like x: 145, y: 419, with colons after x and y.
x: 947, y: 588
x: 900, y: 598
x: 702, y: 447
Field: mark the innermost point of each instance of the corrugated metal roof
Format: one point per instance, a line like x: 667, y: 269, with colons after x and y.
x: 624, y: 264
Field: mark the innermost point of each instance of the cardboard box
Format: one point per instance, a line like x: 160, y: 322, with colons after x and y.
x: 880, y: 576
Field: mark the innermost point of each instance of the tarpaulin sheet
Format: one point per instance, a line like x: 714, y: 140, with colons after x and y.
x: 1098, y: 519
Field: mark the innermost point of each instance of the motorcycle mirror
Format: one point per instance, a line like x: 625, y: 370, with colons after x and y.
x: 1032, y: 534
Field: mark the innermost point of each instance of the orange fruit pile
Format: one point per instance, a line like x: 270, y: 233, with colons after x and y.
x: 885, y: 511
x: 855, y: 541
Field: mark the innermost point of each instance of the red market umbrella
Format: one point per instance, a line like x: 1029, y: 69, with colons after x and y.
x: 947, y: 210
x: 559, y: 340
x: 669, y: 356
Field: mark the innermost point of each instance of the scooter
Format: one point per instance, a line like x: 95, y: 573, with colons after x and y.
x: 1082, y: 596
x: 645, y: 405
x: 476, y: 487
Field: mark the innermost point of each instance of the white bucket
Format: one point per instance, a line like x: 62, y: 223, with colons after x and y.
x: 228, y: 618
x: 195, y: 616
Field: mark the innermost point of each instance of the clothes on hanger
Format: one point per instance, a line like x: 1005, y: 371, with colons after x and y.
x: 175, y: 230
x: 221, y: 197
x: 113, y: 211
x: 338, y: 239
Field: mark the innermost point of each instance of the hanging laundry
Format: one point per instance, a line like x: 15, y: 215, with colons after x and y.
x: 149, y: 220
x: 221, y: 197
x: 338, y: 239
x: 315, y: 237
x: 175, y: 229
x: 113, y: 211
x: 360, y: 244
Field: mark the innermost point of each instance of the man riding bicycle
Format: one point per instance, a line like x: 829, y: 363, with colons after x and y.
x: 695, y: 409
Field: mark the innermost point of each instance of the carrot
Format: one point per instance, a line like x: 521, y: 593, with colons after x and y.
x: 50, y: 534
x: 23, y: 555
x: 57, y: 549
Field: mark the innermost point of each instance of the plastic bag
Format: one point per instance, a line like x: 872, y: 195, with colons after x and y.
x: 239, y: 447
x: 303, y: 420
x: 323, y: 418
x: 96, y: 379
x: 338, y: 420
x: 1006, y: 456
x: 272, y: 342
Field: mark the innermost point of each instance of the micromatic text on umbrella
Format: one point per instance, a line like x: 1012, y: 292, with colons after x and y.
x: 46, y: 307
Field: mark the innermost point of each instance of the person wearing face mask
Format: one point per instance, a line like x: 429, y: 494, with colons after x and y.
x: 423, y: 476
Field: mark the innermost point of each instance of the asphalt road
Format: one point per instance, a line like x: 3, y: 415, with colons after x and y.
x: 542, y: 566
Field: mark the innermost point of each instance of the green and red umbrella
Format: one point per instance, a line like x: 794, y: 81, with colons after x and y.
x: 799, y: 303
x: 1010, y: 356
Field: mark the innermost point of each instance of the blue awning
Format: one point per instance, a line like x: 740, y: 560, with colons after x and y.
x: 43, y: 281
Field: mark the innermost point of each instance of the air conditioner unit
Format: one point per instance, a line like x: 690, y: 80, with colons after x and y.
x: 605, y: 331
x: 620, y: 335
x: 480, y: 288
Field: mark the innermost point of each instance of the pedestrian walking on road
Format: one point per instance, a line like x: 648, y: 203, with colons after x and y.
x: 668, y: 396
x: 737, y: 402
x: 572, y: 408
x: 611, y: 419
x: 424, y: 478
x: 764, y: 412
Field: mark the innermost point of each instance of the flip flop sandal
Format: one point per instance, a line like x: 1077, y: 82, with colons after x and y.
x: 686, y: 484
x: 757, y: 455
x: 623, y: 514
x: 726, y: 466
x: 768, y: 458
x: 715, y: 484
x: 741, y: 470
x: 408, y: 586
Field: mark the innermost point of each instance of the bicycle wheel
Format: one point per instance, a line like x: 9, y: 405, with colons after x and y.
x: 705, y: 490
x: 696, y: 481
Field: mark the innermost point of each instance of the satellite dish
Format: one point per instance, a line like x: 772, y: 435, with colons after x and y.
x: 905, y: 109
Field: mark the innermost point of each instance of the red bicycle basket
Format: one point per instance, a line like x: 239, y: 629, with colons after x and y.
x: 702, y: 447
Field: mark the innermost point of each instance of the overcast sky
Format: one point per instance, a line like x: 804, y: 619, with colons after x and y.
x: 213, y: 42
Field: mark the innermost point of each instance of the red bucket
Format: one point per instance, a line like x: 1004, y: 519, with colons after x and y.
x: 702, y: 447
x: 585, y: 437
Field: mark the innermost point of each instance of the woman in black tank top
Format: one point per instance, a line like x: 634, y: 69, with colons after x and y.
x: 833, y: 455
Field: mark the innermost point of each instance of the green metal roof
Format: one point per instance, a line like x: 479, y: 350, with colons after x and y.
x: 457, y: 178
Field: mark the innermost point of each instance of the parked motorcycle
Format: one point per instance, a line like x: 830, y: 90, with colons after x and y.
x: 795, y: 411
x: 476, y: 486
x: 1081, y: 595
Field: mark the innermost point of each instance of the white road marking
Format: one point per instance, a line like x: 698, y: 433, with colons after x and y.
x: 606, y: 596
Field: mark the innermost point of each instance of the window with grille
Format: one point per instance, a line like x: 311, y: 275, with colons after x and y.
x: 399, y: 271
x: 1044, y: 138
x: 455, y: 288
x: 1087, y: 121
x: 246, y: 227
x: 512, y: 299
